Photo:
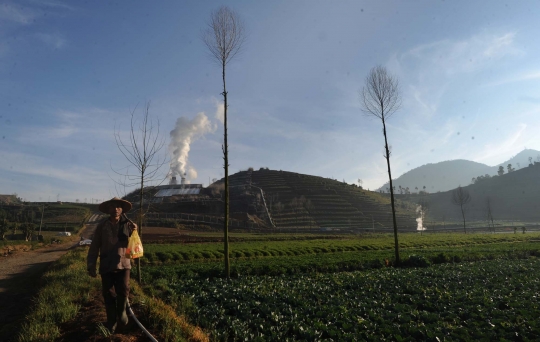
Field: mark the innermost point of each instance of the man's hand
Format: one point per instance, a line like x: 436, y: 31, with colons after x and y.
x: 132, y: 226
x: 92, y: 273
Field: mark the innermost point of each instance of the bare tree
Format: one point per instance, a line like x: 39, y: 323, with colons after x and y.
x: 142, y: 150
x: 461, y: 198
x: 224, y: 38
x: 489, y: 213
x: 381, y: 98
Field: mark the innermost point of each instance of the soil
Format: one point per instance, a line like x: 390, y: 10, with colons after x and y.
x: 20, y: 272
x: 84, y: 327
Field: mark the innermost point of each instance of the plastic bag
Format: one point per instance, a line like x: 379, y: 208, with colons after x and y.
x: 134, y: 248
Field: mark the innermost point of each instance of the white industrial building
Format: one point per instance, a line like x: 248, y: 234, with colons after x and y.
x: 175, y: 189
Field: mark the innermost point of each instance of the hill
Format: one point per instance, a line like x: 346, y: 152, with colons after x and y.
x: 298, y: 200
x: 448, y: 175
x: 291, y: 201
x: 513, y: 196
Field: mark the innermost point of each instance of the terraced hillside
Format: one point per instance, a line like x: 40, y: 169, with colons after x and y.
x: 302, y: 201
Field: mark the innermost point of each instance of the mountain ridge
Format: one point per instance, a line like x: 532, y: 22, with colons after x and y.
x: 450, y: 174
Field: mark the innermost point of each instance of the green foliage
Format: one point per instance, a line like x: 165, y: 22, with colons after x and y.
x: 334, y: 262
x: 164, y: 222
x: 25, y: 219
x: 416, y: 261
x: 342, y: 289
x: 4, y: 228
x: 457, y: 302
x: 28, y: 229
x: 268, y: 248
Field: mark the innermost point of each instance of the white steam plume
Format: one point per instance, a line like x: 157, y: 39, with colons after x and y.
x: 220, y: 110
x: 420, y: 220
x: 182, y: 136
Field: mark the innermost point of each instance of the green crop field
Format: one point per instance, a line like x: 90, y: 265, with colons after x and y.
x: 187, y: 253
x: 490, y: 300
x: 451, y: 287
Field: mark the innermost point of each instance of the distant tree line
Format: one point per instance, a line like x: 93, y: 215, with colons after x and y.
x: 500, y: 172
x: 17, y: 220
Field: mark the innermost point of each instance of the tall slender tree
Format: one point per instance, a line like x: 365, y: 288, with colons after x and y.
x: 142, y: 150
x: 224, y: 38
x: 381, y: 98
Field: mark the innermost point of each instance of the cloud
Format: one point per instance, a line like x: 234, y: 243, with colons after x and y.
x: 498, y: 45
x: 47, y: 133
x: 53, y: 40
x: 52, y: 4
x: 428, y: 70
x: 37, y: 166
x: 220, y: 110
x: 530, y: 99
x: 26, y: 14
x: 528, y: 76
x: 70, y: 124
x: 16, y: 14
x: 454, y: 56
x: 508, y: 146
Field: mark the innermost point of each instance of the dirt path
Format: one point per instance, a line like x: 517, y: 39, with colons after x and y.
x: 20, y: 273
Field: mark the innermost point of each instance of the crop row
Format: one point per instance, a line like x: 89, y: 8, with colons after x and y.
x: 490, y: 300
x: 337, y: 262
x: 176, y: 253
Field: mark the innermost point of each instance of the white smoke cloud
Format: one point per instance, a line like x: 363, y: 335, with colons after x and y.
x: 420, y: 220
x: 183, y: 135
x: 191, y: 173
x: 220, y: 110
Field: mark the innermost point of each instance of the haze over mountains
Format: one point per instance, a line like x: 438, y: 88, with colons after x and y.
x: 448, y: 175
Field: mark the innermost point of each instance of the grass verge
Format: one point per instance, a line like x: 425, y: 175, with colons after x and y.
x: 66, y: 286
x: 163, y: 318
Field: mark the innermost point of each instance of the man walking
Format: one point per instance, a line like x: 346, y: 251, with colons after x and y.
x: 110, y: 242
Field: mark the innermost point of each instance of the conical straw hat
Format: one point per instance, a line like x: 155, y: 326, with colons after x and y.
x: 106, y: 206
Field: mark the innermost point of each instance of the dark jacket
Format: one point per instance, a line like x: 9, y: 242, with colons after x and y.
x: 110, y: 243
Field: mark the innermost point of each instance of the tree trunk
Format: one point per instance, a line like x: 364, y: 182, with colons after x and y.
x: 396, y: 244
x: 463, y: 215
x: 141, y: 195
x: 226, y: 167
x: 41, y: 221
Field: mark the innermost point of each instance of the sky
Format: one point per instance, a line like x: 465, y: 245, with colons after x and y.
x: 73, y: 72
